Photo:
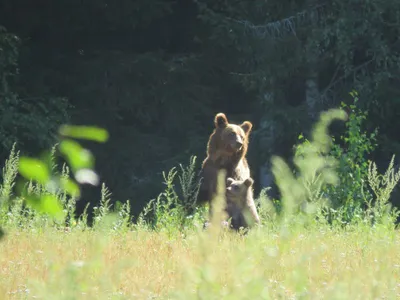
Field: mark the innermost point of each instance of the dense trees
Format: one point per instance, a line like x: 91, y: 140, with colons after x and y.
x: 155, y: 72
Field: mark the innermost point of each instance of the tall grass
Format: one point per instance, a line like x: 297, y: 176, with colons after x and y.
x: 305, y: 248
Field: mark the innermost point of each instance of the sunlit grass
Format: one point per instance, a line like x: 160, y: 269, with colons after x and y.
x: 308, y: 263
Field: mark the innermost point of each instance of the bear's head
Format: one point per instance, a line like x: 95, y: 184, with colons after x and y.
x: 236, y: 190
x: 229, y: 139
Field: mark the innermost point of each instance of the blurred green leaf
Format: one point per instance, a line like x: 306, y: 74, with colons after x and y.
x: 70, y: 187
x: 45, y: 204
x: 1, y: 233
x: 84, y: 132
x: 33, y: 169
x: 77, y: 156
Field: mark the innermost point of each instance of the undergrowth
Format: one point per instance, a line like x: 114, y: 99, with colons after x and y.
x: 332, y: 182
x: 332, y: 234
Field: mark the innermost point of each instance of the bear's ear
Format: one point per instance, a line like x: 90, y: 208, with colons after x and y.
x: 246, y: 126
x: 220, y: 120
x: 248, y: 182
x: 229, y: 181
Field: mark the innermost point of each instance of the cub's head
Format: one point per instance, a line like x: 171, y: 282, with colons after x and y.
x: 230, y: 138
x: 236, y: 190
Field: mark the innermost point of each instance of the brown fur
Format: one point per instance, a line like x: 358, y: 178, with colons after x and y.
x: 240, y: 203
x: 223, y: 153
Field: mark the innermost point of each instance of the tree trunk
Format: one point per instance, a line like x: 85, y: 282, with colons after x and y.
x: 312, y: 93
x: 265, y: 176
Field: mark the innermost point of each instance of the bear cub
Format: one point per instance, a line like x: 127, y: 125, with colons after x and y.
x: 240, y: 203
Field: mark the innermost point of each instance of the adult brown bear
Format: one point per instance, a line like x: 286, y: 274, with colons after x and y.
x: 226, y: 149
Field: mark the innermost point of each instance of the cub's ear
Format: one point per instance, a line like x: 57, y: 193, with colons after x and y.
x: 220, y: 120
x: 229, y: 181
x: 246, y: 126
x: 248, y: 182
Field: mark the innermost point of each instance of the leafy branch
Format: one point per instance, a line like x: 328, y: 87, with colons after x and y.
x: 41, y: 173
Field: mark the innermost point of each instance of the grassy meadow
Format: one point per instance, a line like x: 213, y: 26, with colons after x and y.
x: 330, y: 236
x: 317, y: 263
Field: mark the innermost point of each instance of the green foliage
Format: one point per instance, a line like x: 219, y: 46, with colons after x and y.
x: 43, y: 190
x: 379, y: 209
x: 78, y: 157
x: 41, y: 202
x: 268, y: 209
x: 277, y: 50
x: 40, y: 172
x: 305, y: 192
x: 352, y: 199
x: 104, y: 208
x: 189, y: 184
x: 43, y: 199
x: 10, y: 172
x: 171, y: 211
x: 124, y: 219
x: 21, y: 119
x: 168, y: 212
x: 8, y: 57
x: 315, y: 169
x: 84, y: 132
x: 352, y: 151
x: 34, y: 169
x: 266, y: 52
x: 153, y: 89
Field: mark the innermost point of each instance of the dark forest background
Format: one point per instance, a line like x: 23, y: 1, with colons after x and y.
x: 154, y: 74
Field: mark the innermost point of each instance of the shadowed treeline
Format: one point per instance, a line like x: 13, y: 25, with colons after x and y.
x: 154, y: 73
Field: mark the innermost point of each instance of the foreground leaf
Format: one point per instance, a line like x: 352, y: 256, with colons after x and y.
x: 84, y: 132
x: 77, y: 156
x: 70, y: 187
x: 34, y: 169
x: 48, y: 204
